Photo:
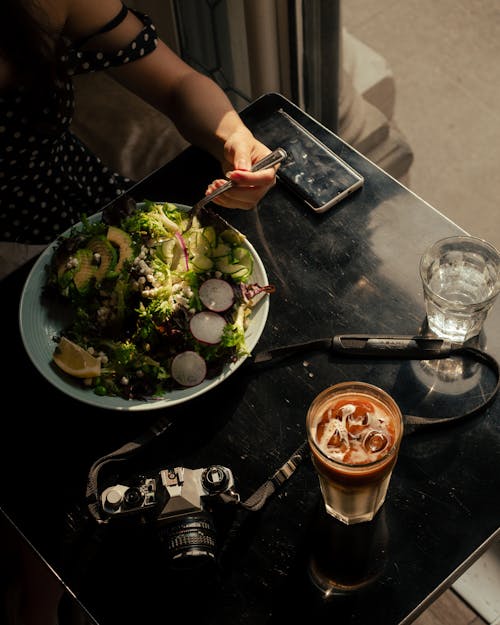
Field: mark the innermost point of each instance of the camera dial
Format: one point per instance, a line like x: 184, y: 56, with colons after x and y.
x: 113, y: 499
x: 215, y: 479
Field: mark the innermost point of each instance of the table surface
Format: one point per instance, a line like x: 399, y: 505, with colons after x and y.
x: 353, y: 269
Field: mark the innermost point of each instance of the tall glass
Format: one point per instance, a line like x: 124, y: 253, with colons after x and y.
x: 354, y: 431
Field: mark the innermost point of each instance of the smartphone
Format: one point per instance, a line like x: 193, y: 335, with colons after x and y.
x: 311, y: 170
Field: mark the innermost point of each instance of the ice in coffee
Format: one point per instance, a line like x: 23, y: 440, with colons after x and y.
x: 354, y: 431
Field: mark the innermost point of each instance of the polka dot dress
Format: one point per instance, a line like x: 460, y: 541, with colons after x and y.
x: 48, y: 177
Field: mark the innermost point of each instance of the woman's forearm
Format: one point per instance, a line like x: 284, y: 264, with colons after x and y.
x: 204, y: 114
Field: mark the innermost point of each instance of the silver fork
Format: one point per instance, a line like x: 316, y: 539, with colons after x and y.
x: 268, y: 161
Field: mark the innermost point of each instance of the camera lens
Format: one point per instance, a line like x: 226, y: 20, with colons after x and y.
x: 190, y: 540
x: 132, y: 497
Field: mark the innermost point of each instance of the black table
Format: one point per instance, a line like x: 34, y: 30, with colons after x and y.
x: 353, y: 269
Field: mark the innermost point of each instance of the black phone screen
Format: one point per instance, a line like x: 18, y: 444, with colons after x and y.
x: 311, y: 169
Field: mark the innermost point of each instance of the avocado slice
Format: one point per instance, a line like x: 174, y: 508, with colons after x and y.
x: 107, y: 255
x: 85, y: 269
x: 123, y: 242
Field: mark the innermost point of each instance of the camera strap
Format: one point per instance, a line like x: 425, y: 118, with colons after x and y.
x: 262, y: 494
x: 397, y: 347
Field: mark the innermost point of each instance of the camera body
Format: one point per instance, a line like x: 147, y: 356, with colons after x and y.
x: 179, y: 501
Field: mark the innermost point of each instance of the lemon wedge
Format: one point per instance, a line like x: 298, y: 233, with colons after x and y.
x: 76, y: 361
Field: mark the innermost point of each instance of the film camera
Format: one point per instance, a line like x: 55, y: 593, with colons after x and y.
x: 180, y: 502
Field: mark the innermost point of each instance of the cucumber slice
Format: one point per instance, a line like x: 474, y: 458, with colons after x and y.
x: 238, y: 265
x: 237, y: 271
x: 244, y: 257
x: 241, y: 274
x: 202, y: 263
x: 231, y: 236
x: 166, y: 250
x: 225, y: 264
x: 210, y: 235
x: 171, y: 253
x: 198, y: 244
x: 222, y: 249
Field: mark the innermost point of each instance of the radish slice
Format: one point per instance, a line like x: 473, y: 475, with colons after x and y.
x: 188, y: 368
x: 207, y: 327
x: 216, y: 294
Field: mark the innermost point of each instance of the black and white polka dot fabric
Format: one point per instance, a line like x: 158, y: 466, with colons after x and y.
x: 48, y: 178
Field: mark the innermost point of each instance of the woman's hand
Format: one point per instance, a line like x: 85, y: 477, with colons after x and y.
x: 241, y: 152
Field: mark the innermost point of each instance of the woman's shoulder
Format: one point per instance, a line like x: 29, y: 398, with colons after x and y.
x: 84, y: 17
x: 51, y: 13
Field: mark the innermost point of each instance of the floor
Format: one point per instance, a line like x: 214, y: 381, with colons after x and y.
x: 444, y: 57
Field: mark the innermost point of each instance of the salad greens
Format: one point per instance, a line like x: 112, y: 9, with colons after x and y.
x: 131, y: 282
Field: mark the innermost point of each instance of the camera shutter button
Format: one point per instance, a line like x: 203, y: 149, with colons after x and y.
x: 215, y: 479
x: 114, y: 498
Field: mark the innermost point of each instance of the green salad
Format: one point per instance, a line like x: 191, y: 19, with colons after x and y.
x: 158, y: 299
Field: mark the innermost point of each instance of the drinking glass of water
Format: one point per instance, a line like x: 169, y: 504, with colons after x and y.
x: 461, y: 280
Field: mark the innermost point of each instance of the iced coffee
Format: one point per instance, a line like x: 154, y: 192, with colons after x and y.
x: 354, y: 431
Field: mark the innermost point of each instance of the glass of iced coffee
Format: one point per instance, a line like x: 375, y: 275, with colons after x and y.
x: 354, y: 431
